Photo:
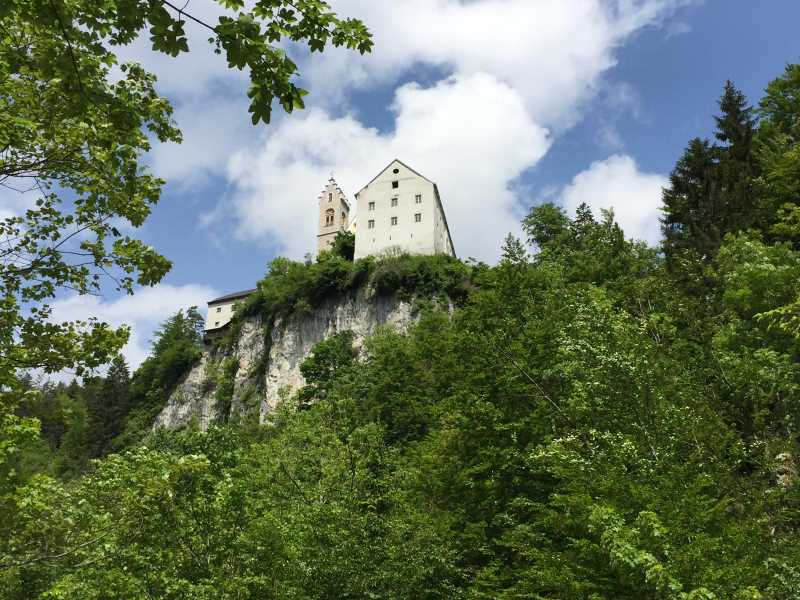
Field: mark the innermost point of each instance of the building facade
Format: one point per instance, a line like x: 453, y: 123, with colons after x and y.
x: 400, y: 210
x: 334, y: 215
x: 220, y: 310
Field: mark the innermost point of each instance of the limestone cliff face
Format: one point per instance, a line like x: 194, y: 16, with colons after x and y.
x: 267, y: 359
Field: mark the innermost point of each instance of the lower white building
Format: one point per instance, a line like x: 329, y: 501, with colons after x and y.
x: 220, y: 310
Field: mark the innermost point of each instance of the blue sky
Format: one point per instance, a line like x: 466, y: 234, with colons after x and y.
x: 503, y: 102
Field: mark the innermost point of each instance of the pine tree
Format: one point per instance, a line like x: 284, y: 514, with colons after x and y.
x: 690, y: 210
x: 108, y: 403
x: 711, y: 190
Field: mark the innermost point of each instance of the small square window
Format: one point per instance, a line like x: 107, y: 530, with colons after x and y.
x: 216, y: 323
x: 371, y: 206
x: 418, y: 199
x: 394, y: 201
x: 394, y: 220
x: 395, y: 184
x: 219, y: 309
x: 371, y: 224
x: 417, y: 217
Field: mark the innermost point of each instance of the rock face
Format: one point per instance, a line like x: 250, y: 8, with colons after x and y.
x: 190, y: 402
x: 268, y: 372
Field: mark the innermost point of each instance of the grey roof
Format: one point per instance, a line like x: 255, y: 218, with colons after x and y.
x: 233, y: 296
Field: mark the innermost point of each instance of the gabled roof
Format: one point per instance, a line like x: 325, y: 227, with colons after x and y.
x: 383, y: 170
x: 338, y: 189
x: 233, y: 296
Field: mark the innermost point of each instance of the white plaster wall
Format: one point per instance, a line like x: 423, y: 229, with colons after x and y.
x: 220, y: 314
x: 410, y: 236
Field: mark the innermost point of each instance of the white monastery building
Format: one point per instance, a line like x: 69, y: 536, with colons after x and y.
x: 398, y: 211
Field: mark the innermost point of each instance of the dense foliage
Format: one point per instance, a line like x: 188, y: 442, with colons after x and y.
x: 296, y: 287
x: 596, y: 420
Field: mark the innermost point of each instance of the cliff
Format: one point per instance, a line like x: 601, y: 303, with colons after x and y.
x: 263, y: 363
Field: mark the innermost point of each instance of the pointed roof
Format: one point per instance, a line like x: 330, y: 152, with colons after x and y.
x: 338, y: 189
x: 383, y: 170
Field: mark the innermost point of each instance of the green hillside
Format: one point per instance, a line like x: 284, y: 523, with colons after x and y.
x: 597, y: 419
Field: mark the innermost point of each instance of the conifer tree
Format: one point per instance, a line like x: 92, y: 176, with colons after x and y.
x: 711, y: 189
x: 108, y: 405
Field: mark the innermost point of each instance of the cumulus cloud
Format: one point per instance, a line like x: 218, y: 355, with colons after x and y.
x: 552, y: 52
x: 472, y: 135
x: 616, y: 183
x: 213, y: 128
x: 142, y: 312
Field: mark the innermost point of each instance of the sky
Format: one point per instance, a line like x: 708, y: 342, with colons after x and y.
x: 504, y: 103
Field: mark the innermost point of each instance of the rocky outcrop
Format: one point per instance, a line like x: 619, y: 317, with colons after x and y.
x: 191, y: 401
x: 268, y: 358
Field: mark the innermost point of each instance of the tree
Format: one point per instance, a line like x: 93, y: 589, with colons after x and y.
x: 778, y: 151
x: 711, y: 189
x: 108, y: 406
x: 344, y: 245
x: 72, y: 137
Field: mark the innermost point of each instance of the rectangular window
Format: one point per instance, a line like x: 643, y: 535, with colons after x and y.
x: 418, y: 199
x: 394, y: 220
x: 417, y: 217
x: 394, y: 201
x: 371, y: 206
x: 371, y: 224
x: 395, y: 184
x: 219, y: 309
x: 330, y: 197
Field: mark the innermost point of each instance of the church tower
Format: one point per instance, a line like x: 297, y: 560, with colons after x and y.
x: 334, y: 213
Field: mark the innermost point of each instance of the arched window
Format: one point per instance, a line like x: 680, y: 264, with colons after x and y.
x: 329, y: 217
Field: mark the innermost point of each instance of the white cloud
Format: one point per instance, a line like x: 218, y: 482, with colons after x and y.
x: 142, y: 312
x: 616, y: 183
x: 472, y: 135
x: 551, y: 51
x: 213, y: 128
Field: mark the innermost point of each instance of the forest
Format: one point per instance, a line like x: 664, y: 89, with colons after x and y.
x: 596, y: 419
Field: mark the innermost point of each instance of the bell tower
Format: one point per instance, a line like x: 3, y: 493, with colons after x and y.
x: 334, y: 214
